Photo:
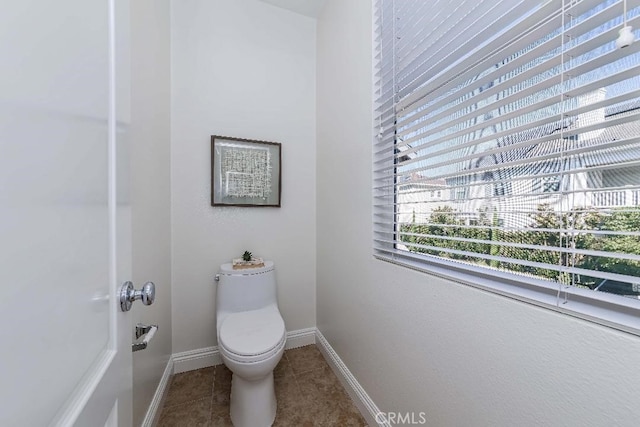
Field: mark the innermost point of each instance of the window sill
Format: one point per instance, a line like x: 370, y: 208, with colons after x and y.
x: 605, y: 309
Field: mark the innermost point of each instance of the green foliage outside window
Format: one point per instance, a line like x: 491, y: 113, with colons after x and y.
x: 486, y: 237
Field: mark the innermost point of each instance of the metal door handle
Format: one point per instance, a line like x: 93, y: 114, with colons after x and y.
x: 128, y: 295
x: 148, y: 331
x: 143, y: 329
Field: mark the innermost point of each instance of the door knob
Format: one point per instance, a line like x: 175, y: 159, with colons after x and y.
x: 128, y: 295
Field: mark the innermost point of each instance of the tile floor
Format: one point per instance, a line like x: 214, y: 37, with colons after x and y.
x: 307, y: 390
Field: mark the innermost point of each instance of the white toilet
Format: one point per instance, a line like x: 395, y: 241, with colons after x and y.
x: 251, y: 339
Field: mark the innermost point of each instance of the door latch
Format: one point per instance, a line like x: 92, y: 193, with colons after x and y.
x: 147, y: 330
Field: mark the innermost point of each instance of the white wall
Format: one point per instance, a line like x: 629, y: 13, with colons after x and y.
x: 243, y: 69
x: 150, y: 189
x: 420, y: 343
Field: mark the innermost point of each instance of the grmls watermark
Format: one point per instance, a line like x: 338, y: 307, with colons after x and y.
x: 401, y: 418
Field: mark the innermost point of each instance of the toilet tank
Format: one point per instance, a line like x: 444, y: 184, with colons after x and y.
x: 247, y: 289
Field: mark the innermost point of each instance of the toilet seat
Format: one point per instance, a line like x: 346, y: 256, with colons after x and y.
x: 252, y: 336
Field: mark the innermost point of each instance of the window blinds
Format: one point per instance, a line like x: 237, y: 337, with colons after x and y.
x: 508, y: 138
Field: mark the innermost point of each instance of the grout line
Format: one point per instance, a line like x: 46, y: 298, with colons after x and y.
x: 213, y: 396
x: 184, y: 403
x: 188, y: 401
x: 297, y: 382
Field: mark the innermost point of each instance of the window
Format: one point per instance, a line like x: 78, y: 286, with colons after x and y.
x: 501, y: 188
x: 460, y: 193
x: 527, y: 116
x: 547, y: 184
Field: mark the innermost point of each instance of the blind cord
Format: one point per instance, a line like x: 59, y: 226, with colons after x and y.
x: 626, y: 36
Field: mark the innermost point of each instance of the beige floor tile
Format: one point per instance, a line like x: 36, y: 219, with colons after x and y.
x: 326, y: 413
x: 308, y: 394
x: 350, y: 416
x: 220, y: 415
x: 305, y: 359
x: 283, y: 368
x: 292, y: 418
x: 321, y: 385
x: 288, y: 394
x: 222, y: 374
x: 192, y: 414
x: 328, y: 404
x: 188, y: 386
x: 222, y: 385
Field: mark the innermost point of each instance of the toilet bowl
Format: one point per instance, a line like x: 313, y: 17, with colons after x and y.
x: 251, y: 340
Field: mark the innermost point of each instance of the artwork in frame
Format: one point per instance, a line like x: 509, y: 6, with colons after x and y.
x: 245, y: 172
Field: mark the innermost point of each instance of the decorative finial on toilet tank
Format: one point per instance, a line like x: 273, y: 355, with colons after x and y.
x: 247, y: 261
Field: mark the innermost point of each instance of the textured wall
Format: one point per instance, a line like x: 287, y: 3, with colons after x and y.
x: 244, y: 69
x: 420, y: 343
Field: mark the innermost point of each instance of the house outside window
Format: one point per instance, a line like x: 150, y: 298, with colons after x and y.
x: 547, y: 184
x: 531, y: 128
x: 460, y: 193
x: 501, y: 188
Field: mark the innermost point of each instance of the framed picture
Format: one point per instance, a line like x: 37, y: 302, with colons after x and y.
x: 245, y: 172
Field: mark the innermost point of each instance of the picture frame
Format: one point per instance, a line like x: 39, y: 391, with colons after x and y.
x: 245, y: 172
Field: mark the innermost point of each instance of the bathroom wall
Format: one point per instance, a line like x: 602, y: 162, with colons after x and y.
x: 418, y: 343
x: 243, y: 69
x: 150, y: 190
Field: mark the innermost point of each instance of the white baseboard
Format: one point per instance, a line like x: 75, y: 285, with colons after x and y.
x: 363, y: 402
x: 155, y: 407
x: 210, y: 356
x: 196, y: 359
x: 300, y: 338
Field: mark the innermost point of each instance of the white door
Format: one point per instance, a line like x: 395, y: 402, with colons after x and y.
x: 65, y: 347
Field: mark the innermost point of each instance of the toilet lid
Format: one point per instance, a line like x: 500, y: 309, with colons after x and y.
x: 249, y: 333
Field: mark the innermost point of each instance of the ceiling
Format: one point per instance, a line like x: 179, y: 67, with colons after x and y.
x: 310, y: 8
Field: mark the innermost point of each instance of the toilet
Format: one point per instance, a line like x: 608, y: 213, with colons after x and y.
x: 251, y: 340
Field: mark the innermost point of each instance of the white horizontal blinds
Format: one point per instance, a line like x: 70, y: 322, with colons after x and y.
x: 384, y: 177
x: 511, y: 137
